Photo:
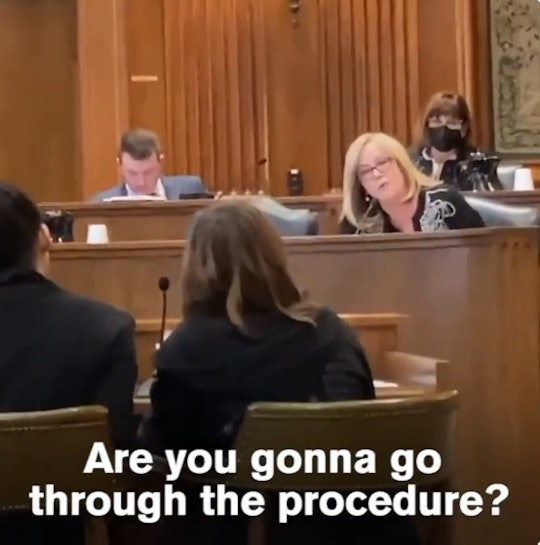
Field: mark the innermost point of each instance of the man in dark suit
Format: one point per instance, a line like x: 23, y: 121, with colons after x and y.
x: 58, y: 349
x: 140, y: 160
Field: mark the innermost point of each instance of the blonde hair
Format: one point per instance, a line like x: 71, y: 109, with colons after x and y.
x: 357, y: 207
x: 235, y: 263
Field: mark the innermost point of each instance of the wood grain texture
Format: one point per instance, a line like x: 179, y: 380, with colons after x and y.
x: 249, y: 95
x: 38, y: 96
x: 237, y: 92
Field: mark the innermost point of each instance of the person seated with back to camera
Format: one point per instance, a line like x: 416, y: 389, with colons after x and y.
x: 59, y: 350
x: 384, y: 192
x: 246, y: 326
x: 248, y: 335
x: 444, y: 142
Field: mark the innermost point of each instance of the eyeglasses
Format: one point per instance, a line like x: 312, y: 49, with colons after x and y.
x: 381, y: 166
x: 436, y: 122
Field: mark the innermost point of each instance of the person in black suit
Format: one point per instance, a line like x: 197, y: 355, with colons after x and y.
x: 58, y: 349
x: 248, y: 335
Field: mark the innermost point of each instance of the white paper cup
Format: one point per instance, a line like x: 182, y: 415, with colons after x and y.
x: 97, y: 234
x: 523, y: 180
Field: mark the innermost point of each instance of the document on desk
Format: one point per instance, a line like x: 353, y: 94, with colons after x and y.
x: 135, y: 198
x: 384, y: 384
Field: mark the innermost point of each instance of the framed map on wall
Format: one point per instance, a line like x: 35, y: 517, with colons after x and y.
x: 515, y: 54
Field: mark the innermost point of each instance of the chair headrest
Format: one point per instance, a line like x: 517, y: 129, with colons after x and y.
x: 496, y: 214
x: 289, y: 222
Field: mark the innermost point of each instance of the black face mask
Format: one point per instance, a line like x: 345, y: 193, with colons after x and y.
x: 445, y: 139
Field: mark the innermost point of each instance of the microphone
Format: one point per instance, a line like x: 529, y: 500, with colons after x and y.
x: 146, y: 386
x: 163, y: 284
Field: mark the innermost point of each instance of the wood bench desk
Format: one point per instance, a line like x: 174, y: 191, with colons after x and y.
x: 170, y: 220
x: 471, y: 297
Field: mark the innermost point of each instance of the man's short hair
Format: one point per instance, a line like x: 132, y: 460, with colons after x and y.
x: 20, y: 222
x: 140, y: 144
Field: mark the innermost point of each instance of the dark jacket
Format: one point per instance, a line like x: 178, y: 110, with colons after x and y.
x: 61, y: 350
x: 460, y: 173
x: 439, y: 208
x: 208, y: 372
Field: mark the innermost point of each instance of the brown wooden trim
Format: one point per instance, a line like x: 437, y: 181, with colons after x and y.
x: 354, y: 320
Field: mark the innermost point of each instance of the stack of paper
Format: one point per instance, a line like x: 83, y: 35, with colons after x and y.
x: 384, y: 384
x: 134, y: 198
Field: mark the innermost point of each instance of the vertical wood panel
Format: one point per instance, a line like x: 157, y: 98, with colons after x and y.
x: 295, y: 96
x: 454, y: 54
x: 38, y: 97
x: 375, y: 44
x: 257, y: 41
x: 206, y: 104
x: 177, y: 130
x: 360, y: 63
x: 191, y: 14
x: 234, y: 90
x: 216, y: 90
x: 103, y: 96
x: 482, y: 91
x: 248, y: 96
x: 145, y: 57
x: 403, y: 79
x: 371, y: 10
x: 437, y: 38
x: 464, y: 48
x: 329, y: 18
x: 242, y: 84
x: 236, y: 84
x: 411, y: 10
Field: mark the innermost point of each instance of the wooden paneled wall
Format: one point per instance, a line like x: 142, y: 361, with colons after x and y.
x: 216, y: 90
x: 38, y: 98
x: 370, y: 67
x: 239, y: 90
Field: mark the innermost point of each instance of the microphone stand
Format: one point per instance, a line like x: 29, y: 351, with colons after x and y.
x: 163, y: 284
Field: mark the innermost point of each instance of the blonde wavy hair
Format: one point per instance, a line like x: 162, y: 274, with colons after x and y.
x: 235, y: 263
x: 358, y: 208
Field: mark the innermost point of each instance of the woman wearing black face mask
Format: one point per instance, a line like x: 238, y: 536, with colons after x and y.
x: 444, y: 140
x: 445, y: 135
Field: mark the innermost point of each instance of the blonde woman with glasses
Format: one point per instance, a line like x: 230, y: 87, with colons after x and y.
x: 383, y: 191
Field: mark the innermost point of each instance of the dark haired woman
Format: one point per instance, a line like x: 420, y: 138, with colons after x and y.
x: 246, y: 328
x: 248, y: 335
x: 444, y: 149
